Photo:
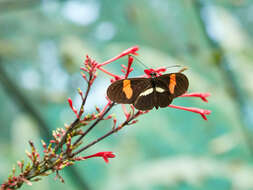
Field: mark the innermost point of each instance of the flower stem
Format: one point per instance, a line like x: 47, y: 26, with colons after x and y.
x: 72, y: 126
x: 94, y: 124
x: 106, y: 135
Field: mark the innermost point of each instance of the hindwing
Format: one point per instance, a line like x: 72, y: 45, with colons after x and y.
x: 157, y: 95
x: 146, y: 101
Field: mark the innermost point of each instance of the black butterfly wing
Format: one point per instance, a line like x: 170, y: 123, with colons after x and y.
x: 176, y: 83
x: 164, y: 89
x: 164, y: 99
x: 156, y: 95
x: 163, y: 95
x: 145, y: 101
x: 146, y: 93
x: 126, y: 91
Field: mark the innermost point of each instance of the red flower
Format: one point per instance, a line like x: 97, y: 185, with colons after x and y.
x: 72, y: 107
x: 104, y: 155
x: 202, y: 112
x: 159, y: 71
x: 129, y: 51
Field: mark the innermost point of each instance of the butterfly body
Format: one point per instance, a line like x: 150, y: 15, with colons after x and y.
x: 147, y: 93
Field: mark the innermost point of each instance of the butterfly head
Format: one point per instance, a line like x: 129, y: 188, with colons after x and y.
x: 151, y: 72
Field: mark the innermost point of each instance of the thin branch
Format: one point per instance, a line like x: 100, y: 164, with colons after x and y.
x: 13, y: 90
x: 106, y: 135
x: 76, y: 122
x: 93, y: 125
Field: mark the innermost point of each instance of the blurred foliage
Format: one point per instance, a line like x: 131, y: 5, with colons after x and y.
x: 43, y: 44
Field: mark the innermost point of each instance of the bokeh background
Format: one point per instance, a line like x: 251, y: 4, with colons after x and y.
x: 43, y: 44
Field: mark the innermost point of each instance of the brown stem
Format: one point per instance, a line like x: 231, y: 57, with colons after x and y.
x: 85, y: 96
x: 104, y: 136
x: 72, y: 126
x: 83, y: 135
x: 26, y: 105
x: 93, y: 125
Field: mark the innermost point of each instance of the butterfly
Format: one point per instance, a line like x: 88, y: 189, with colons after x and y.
x: 147, y: 93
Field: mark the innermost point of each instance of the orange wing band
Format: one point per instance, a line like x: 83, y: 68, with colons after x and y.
x: 127, y: 88
x: 172, y: 83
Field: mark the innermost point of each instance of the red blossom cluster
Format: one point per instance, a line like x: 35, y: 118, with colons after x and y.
x: 65, y: 147
x: 159, y: 71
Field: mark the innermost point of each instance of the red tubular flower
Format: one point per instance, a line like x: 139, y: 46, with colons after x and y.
x: 26, y: 181
x: 202, y: 112
x: 106, y: 106
x: 72, y: 107
x: 109, y: 73
x: 203, y: 96
x: 84, y: 69
x: 158, y: 71
x: 128, y: 70
x: 114, y: 122
x: 125, y: 111
x: 20, y: 165
x: 149, y: 71
x: 104, y: 155
x: 129, y: 51
x: 132, y: 108
x: 80, y: 93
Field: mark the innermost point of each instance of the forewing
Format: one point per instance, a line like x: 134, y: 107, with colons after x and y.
x: 176, y: 83
x: 127, y: 94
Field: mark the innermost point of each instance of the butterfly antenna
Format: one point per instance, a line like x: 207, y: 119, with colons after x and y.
x: 173, y: 66
x: 180, y: 71
x: 140, y: 62
x: 183, y: 69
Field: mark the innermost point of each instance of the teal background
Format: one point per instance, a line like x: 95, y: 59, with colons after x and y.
x: 43, y: 45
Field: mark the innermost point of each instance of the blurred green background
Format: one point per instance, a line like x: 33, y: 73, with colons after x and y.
x: 43, y: 44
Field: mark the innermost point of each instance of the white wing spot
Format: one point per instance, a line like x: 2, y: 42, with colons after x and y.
x: 147, y: 92
x: 160, y: 90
